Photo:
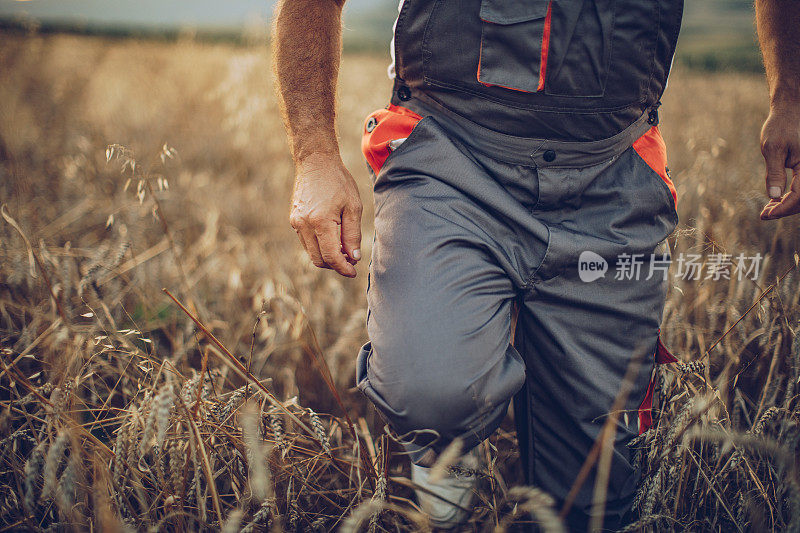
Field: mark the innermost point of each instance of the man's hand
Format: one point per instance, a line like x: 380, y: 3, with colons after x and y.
x: 777, y: 22
x: 326, y: 213
x: 780, y: 144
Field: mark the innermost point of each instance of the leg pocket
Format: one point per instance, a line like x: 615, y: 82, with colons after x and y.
x: 652, y: 150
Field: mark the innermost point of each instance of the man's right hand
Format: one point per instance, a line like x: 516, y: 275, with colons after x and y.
x: 326, y: 213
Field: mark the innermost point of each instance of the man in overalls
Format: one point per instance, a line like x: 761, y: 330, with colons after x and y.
x: 518, y: 165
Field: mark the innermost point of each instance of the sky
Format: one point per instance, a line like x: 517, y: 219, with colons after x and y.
x: 157, y: 13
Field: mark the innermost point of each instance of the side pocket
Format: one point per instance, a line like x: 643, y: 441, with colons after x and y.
x: 515, y: 39
x: 662, y: 357
x: 652, y: 149
x: 384, y: 131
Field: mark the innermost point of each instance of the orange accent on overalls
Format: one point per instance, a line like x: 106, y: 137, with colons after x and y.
x: 663, y: 356
x: 394, y: 122
x: 653, y: 150
x: 545, y: 46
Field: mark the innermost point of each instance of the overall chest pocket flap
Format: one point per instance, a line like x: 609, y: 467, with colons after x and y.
x: 514, y: 43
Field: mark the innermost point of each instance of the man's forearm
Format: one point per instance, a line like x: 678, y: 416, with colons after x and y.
x: 779, y: 36
x: 326, y: 207
x: 307, y: 52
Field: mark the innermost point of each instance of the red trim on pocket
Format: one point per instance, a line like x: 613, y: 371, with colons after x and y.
x: 653, y: 150
x: 394, y: 122
x: 545, y: 46
x: 662, y: 357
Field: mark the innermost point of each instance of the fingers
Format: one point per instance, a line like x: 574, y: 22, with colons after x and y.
x: 351, y: 232
x: 309, y: 241
x: 323, y: 244
x: 788, y: 204
x: 326, y: 214
x: 330, y: 246
x: 775, y: 156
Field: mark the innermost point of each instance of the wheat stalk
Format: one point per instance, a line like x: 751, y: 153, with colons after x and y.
x: 52, y: 462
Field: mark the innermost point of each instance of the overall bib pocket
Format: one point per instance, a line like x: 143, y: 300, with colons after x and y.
x: 514, y: 44
x: 558, y: 47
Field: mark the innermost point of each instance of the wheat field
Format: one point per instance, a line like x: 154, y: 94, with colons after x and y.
x: 226, y: 401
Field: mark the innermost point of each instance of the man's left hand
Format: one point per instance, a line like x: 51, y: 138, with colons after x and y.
x: 780, y: 145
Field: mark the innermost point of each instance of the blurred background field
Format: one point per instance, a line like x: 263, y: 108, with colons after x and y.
x: 717, y: 34
x: 97, y: 360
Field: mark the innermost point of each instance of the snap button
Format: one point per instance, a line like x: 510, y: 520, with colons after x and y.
x: 371, y: 123
x: 549, y: 156
x: 404, y: 93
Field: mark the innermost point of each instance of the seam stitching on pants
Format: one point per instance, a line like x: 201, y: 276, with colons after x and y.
x: 483, y: 412
x: 531, y: 282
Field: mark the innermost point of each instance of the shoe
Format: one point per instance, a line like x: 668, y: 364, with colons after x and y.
x: 454, y: 488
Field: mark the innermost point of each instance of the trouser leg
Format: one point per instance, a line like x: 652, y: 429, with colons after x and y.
x: 439, y: 364
x: 581, y: 338
x: 577, y: 363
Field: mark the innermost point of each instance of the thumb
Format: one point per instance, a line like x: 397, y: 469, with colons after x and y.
x: 351, y: 232
x: 789, y: 204
x: 776, y: 172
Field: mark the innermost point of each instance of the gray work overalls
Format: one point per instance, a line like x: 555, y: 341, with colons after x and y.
x: 520, y: 161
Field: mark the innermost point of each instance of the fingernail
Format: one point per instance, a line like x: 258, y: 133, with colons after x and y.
x: 357, y: 254
x: 775, y: 192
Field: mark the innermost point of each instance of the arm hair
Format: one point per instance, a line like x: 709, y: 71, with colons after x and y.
x: 307, y: 50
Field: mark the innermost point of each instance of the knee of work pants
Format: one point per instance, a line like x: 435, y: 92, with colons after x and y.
x: 429, y: 407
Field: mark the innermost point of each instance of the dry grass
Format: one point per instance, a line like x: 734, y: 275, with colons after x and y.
x: 119, y: 409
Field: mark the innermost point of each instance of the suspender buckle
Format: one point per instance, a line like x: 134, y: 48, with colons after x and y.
x: 652, y: 117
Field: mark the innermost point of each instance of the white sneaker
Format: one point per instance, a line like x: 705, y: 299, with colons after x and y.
x: 454, y: 488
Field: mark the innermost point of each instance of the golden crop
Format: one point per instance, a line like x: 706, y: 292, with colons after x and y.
x: 130, y: 166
